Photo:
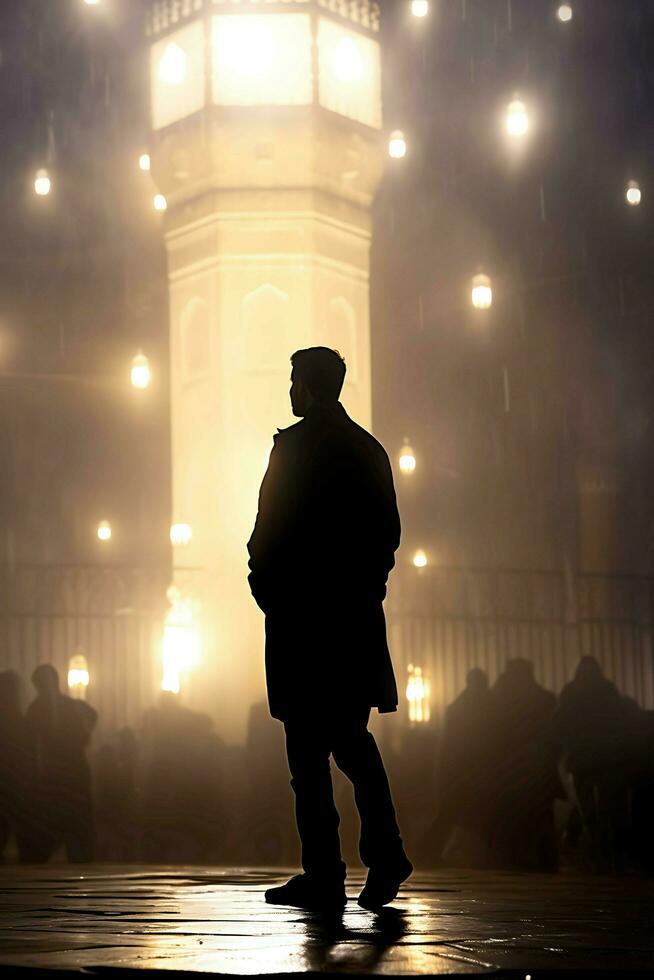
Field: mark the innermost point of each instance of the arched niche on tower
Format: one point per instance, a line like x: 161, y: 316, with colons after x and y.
x: 266, y: 331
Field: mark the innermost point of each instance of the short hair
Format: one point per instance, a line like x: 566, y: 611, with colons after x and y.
x: 45, y: 676
x: 322, y: 370
x: 477, y: 678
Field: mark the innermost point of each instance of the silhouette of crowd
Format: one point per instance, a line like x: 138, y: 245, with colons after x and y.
x: 169, y: 792
x: 45, y: 780
x: 515, y: 778
x: 524, y: 778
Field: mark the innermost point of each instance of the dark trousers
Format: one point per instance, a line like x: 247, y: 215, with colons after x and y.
x: 310, y: 741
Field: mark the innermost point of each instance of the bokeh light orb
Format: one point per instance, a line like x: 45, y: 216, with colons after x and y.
x: 564, y: 13
x: 141, y: 376
x: 181, y: 535
x: 634, y: 194
x: 397, y: 145
x: 104, y: 531
x: 482, y: 292
x: 159, y: 202
x: 144, y: 163
x: 420, y: 559
x: 407, y: 459
x: 517, y: 120
x: 42, y: 183
x: 419, y: 8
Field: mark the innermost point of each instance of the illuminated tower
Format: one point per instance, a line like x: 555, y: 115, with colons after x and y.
x: 266, y: 143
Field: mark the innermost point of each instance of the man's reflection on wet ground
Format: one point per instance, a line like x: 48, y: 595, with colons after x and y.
x: 332, y: 944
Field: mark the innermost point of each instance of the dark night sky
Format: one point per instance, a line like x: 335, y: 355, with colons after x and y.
x: 82, y: 280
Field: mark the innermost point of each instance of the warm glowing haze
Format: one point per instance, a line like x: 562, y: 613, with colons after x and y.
x: 256, y: 271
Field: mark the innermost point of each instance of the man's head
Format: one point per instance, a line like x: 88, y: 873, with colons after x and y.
x: 588, y: 670
x: 45, y: 679
x: 477, y: 681
x: 317, y: 376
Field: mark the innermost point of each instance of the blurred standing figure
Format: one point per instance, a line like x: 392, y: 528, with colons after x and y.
x: 61, y: 728
x: 590, y: 726
x: 16, y: 769
x: 320, y: 554
x: 463, y: 761
x: 523, y: 781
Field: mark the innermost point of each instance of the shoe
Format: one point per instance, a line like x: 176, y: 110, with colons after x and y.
x: 307, y: 892
x: 383, y: 884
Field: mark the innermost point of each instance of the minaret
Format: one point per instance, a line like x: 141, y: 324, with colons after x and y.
x: 266, y: 142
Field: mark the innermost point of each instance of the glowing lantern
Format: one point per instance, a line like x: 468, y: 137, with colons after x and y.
x: 181, y: 642
x: 78, y: 676
x: 159, y: 202
x: 144, y: 162
x: 564, y: 13
x: 417, y: 694
x: 141, y: 375
x: 482, y: 292
x: 181, y: 534
x: 419, y: 8
x: 290, y: 55
x: 42, y: 183
x: 634, y: 195
x: 407, y: 458
x: 420, y: 559
x: 397, y: 145
x: 517, y: 120
x: 104, y: 531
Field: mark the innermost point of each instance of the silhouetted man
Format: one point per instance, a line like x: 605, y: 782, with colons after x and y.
x: 61, y: 729
x: 320, y: 554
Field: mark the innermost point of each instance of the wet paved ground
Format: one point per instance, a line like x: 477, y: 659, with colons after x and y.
x: 209, y: 920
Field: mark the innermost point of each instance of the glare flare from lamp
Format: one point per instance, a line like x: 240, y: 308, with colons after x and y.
x: 419, y: 8
x: 407, y: 459
x: 104, y: 531
x: 42, y: 183
x: 420, y: 559
x: 634, y: 194
x: 397, y: 145
x: 181, y: 534
x: 482, y: 292
x: 417, y: 694
x: 517, y: 120
x: 78, y: 676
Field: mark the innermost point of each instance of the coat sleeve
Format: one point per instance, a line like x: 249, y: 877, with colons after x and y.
x: 389, y: 517
x: 267, y: 541
x: 375, y: 521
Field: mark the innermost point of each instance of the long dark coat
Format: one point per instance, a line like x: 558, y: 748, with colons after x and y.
x: 320, y: 554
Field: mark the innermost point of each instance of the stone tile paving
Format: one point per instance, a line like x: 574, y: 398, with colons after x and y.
x: 215, y: 921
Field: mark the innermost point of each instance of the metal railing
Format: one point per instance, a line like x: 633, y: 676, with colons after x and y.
x: 448, y: 620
